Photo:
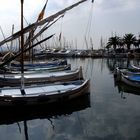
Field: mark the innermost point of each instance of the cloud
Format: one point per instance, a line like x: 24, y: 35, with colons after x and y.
x: 120, y: 16
x: 63, y: 3
x: 118, y: 4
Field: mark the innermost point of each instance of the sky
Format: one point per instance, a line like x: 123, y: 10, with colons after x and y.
x: 102, y: 19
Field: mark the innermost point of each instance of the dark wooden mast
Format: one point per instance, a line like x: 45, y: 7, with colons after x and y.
x: 22, y: 49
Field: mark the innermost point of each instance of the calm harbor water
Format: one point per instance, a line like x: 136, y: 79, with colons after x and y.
x: 111, y: 113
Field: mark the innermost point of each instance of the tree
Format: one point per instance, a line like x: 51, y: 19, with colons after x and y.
x: 129, y: 39
x: 138, y: 41
x: 113, y: 41
x: 137, y: 44
x: 121, y: 43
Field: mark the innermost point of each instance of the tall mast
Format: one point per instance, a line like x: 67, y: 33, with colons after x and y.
x: 22, y: 49
x: 12, y: 40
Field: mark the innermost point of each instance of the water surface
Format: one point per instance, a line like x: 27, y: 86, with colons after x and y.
x: 112, y: 114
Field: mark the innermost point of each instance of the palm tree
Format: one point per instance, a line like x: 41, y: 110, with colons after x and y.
x: 129, y: 39
x: 138, y: 41
x: 120, y: 46
x: 137, y: 44
x: 113, y: 41
x: 121, y: 43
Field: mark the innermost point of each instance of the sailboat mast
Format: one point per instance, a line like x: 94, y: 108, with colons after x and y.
x: 12, y: 40
x: 22, y: 48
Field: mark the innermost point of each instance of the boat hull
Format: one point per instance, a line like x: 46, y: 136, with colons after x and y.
x: 37, y: 70
x: 127, y: 80
x: 119, y: 71
x: 134, y: 68
x: 29, y: 65
x: 44, y: 77
x: 43, y: 94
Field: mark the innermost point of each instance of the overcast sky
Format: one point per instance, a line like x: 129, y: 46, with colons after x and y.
x: 103, y: 18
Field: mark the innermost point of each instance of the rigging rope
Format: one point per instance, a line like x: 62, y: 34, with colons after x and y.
x: 88, y: 29
x: 4, y: 38
x: 60, y: 35
x: 87, y: 37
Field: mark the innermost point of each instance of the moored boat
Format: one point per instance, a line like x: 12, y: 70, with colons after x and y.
x: 44, y: 77
x: 119, y: 71
x: 43, y: 94
x: 131, y: 80
x: 134, y: 68
x: 30, y: 65
x: 37, y: 70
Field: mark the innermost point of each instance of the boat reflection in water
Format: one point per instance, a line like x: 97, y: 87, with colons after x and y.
x: 45, y: 112
x: 124, y: 88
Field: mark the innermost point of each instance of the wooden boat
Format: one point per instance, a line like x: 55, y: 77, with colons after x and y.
x: 29, y: 65
x: 37, y: 70
x: 43, y: 94
x: 40, y: 77
x: 131, y: 80
x: 125, y: 88
x: 16, y: 114
x: 118, y: 73
x: 134, y: 68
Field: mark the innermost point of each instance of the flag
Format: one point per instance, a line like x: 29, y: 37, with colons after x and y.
x: 40, y: 17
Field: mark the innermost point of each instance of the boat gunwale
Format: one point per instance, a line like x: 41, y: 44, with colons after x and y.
x: 44, y: 93
x: 128, y: 81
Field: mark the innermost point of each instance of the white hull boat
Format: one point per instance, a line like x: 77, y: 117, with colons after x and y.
x: 43, y: 94
x: 42, y: 77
